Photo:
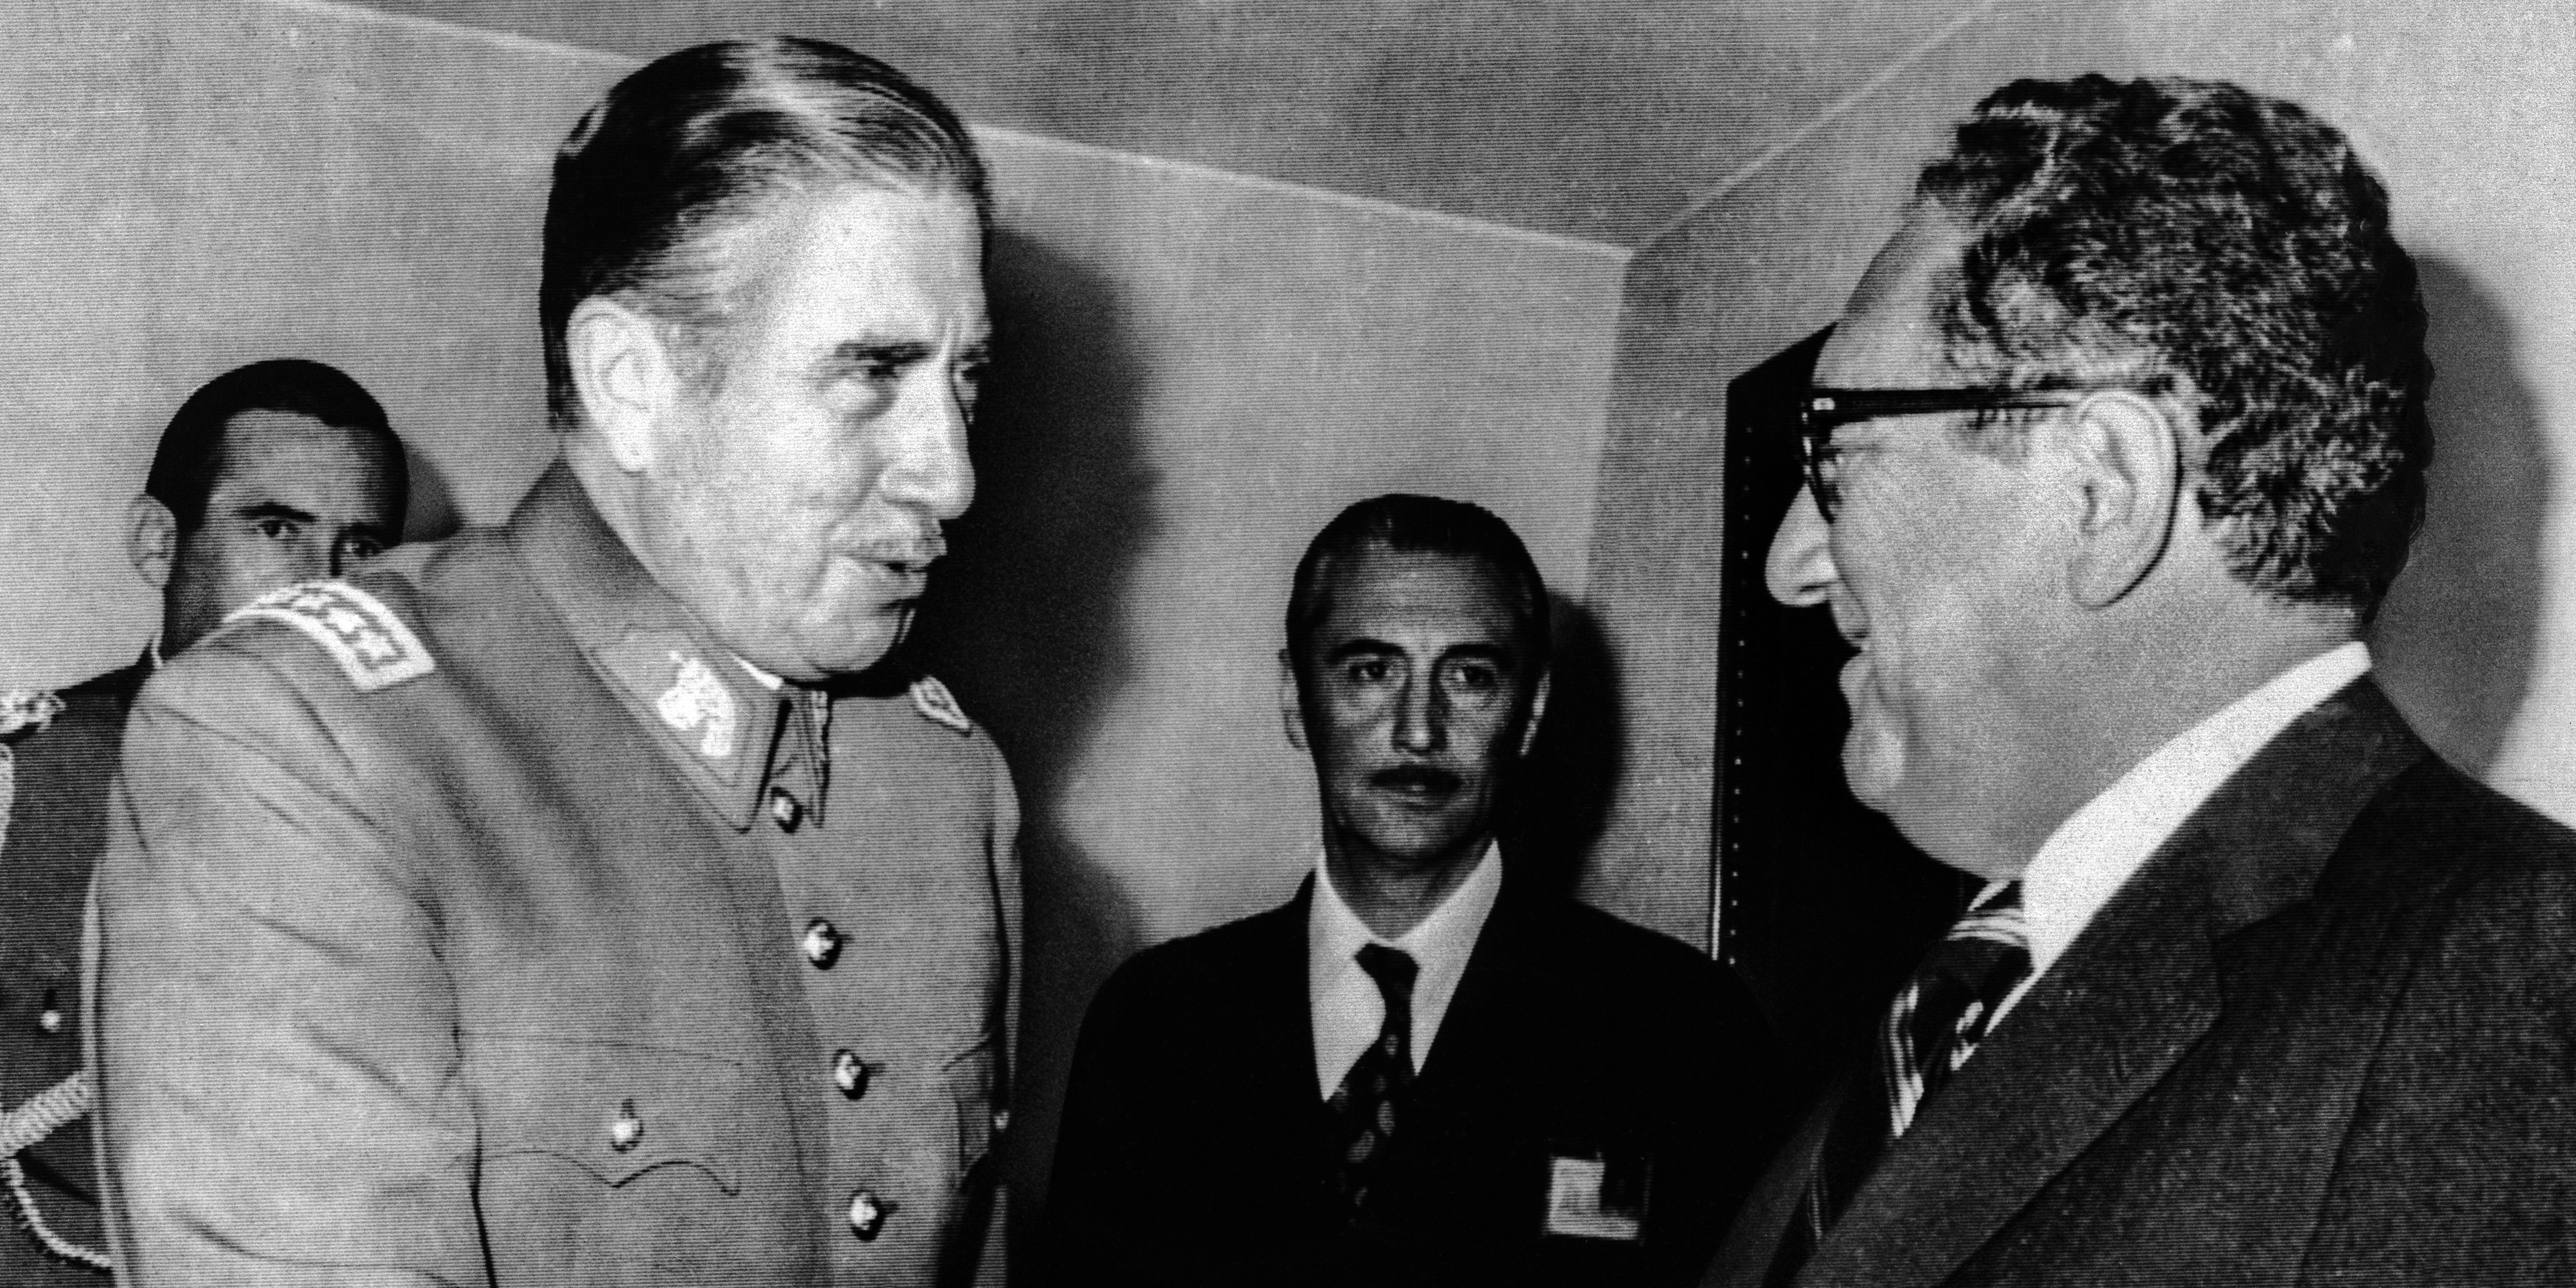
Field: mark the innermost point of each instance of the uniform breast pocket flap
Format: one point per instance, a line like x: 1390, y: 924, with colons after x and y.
x: 615, y: 1110
x: 974, y: 1082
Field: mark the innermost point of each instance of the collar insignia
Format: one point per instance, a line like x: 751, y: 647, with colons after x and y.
x: 373, y: 647
x: 936, y: 704
x: 697, y: 700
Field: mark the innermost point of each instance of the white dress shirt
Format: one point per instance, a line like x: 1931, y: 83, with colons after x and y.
x: 1343, y: 1001
x: 2094, y: 852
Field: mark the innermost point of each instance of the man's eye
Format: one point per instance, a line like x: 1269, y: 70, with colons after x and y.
x: 365, y: 547
x: 276, y: 529
x: 1368, y: 670
x: 1476, y: 679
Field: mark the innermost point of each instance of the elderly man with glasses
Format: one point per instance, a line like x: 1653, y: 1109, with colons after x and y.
x: 2116, y: 449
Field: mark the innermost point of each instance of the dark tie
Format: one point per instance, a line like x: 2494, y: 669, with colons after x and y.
x: 1365, y: 1106
x: 1934, y: 1025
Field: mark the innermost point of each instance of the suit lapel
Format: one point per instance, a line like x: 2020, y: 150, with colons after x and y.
x: 1488, y: 1008
x: 1278, y: 1019
x: 2128, y: 1000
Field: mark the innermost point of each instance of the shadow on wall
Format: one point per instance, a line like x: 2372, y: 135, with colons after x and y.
x: 430, y: 514
x: 1562, y: 798
x: 1026, y: 620
x: 2455, y: 638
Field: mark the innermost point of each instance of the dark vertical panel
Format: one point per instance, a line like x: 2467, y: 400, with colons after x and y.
x: 1826, y: 907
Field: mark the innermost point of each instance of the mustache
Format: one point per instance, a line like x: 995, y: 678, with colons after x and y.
x: 917, y: 549
x: 1416, y: 777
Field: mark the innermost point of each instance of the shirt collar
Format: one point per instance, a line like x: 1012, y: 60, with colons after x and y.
x: 1440, y: 945
x: 715, y: 719
x: 2090, y: 855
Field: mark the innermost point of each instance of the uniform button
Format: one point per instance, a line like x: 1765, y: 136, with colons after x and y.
x: 784, y: 809
x: 849, y: 1073
x: 628, y: 1131
x: 867, y: 1216
x: 822, y: 943
x: 51, y: 1018
x: 1001, y: 1120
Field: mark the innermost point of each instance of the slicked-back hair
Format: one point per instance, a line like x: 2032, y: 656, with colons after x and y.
x: 191, y: 454
x: 1421, y: 524
x: 2194, y: 241
x: 699, y: 143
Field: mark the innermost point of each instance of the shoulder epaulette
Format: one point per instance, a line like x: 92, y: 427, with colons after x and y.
x: 936, y: 704
x: 26, y: 711
x: 23, y: 713
x: 372, y: 646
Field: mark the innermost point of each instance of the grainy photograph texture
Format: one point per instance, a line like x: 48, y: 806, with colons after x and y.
x: 1424, y: 642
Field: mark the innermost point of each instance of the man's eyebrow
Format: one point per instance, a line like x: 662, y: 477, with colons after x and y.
x: 890, y: 353
x: 1361, y: 647
x: 274, y: 510
x: 1479, y: 651
x: 895, y: 353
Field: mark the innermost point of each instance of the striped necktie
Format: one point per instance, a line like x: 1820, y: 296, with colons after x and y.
x: 1929, y: 1032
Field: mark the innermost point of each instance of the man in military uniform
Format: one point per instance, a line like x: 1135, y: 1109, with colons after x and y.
x: 269, y: 474
x: 583, y: 900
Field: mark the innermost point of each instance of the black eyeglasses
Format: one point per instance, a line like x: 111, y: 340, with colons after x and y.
x: 1824, y: 410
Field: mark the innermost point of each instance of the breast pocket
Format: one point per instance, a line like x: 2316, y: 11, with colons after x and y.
x: 974, y: 1088
x: 612, y: 1112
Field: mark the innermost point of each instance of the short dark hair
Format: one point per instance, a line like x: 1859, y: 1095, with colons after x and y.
x: 691, y: 146
x: 191, y: 454
x: 1427, y: 524
x: 2202, y: 242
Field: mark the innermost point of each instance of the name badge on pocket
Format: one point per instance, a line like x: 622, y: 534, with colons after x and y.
x: 1597, y: 1196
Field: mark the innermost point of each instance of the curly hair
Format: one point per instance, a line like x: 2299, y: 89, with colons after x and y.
x: 2228, y: 252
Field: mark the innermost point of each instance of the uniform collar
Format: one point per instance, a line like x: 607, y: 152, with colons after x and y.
x: 703, y: 708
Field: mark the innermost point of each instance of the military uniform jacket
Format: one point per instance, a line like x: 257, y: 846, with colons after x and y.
x: 53, y: 823
x: 1597, y: 1101
x: 452, y: 933
x: 2325, y: 1035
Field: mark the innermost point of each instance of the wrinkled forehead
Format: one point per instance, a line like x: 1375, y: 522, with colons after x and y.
x: 1890, y: 334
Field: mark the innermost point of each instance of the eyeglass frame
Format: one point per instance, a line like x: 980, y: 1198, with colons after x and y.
x: 1823, y: 410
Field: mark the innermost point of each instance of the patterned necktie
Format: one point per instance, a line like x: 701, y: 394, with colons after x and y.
x: 1937, y: 1021
x: 1364, y: 1107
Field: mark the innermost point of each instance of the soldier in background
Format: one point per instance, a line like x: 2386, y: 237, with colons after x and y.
x: 585, y: 900
x: 269, y: 474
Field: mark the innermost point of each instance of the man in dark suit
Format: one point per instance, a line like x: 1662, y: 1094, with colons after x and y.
x: 1422, y: 1069
x: 581, y: 900
x: 267, y: 475
x: 2115, y: 450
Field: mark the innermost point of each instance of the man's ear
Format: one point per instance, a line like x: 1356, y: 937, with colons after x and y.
x: 2127, y: 471
x: 1537, y: 714
x: 152, y: 540
x: 1292, y: 713
x: 624, y: 372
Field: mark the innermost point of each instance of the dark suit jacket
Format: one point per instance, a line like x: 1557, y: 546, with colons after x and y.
x: 54, y: 830
x: 1191, y: 1150
x: 2326, y: 1035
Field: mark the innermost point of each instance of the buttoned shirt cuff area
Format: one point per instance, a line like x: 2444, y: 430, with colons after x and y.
x: 1343, y: 1002
x: 2099, y: 847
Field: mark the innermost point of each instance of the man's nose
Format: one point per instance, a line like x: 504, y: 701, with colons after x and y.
x: 1800, y: 568
x: 1421, y: 717
x: 930, y: 469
